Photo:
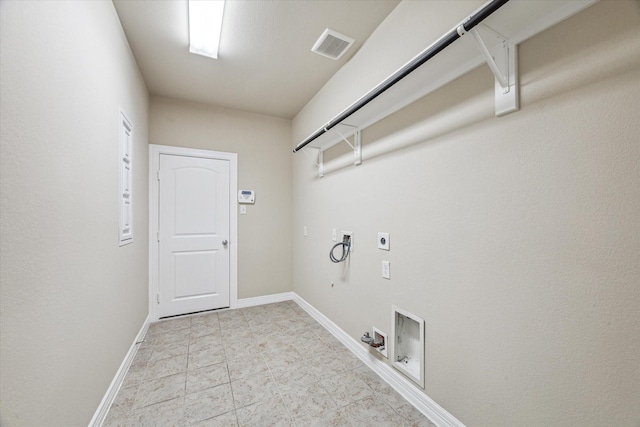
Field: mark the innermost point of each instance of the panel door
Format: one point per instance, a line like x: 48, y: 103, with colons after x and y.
x: 193, y: 234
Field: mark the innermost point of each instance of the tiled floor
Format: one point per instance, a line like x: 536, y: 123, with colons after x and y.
x: 271, y: 365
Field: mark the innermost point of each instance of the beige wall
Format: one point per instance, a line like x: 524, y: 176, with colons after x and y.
x: 71, y: 301
x: 411, y: 24
x: 264, y: 165
x: 517, y: 238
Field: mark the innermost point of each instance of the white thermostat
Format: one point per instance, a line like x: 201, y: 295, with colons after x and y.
x: 246, y: 196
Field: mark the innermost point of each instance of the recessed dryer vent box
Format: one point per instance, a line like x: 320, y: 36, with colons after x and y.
x: 408, y: 345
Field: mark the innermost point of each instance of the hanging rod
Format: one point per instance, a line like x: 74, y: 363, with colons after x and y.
x: 436, y: 48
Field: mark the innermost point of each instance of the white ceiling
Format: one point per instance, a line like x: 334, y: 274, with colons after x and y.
x: 265, y: 64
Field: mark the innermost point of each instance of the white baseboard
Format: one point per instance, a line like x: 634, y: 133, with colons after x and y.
x: 410, y: 392
x: 112, y: 391
x: 266, y: 299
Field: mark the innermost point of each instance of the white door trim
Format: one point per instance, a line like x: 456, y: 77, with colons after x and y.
x: 154, y: 166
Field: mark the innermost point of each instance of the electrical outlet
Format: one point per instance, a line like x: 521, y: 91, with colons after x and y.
x: 383, y: 241
x: 386, y: 270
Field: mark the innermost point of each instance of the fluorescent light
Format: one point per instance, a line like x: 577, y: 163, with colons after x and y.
x: 205, y: 25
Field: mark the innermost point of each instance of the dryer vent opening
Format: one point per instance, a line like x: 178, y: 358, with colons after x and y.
x: 332, y: 44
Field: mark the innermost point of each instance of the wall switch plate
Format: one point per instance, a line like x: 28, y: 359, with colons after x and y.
x: 243, y: 210
x: 334, y: 235
x: 304, y: 231
x: 386, y: 270
x: 383, y: 241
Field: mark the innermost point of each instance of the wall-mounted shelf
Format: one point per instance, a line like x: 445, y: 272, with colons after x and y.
x: 490, y: 35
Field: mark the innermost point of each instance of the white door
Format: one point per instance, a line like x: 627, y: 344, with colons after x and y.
x: 193, y: 234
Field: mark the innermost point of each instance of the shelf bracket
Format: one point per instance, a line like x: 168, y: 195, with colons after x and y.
x: 315, y: 162
x: 344, y: 138
x: 503, y: 62
x: 357, y: 149
x: 356, y: 146
x: 320, y: 163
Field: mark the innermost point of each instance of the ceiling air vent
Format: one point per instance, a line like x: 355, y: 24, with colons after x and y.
x: 332, y: 44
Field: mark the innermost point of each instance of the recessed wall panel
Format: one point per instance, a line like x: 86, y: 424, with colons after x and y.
x: 195, y: 195
x: 195, y: 274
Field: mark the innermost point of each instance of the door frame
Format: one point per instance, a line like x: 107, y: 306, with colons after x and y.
x: 154, y: 167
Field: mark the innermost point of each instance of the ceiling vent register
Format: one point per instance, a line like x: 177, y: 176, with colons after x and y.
x: 332, y: 44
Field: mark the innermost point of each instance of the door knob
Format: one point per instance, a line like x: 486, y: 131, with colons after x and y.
x: 225, y: 243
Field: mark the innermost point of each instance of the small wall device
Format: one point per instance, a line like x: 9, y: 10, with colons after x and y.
x: 246, y: 196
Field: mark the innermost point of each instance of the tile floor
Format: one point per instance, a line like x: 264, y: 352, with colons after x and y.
x: 270, y: 365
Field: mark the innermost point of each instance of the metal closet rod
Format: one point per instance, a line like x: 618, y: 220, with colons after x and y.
x: 438, y: 47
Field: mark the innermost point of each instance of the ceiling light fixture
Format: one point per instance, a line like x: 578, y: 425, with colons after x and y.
x: 205, y: 25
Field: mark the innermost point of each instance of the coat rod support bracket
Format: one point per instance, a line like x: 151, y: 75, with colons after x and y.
x: 315, y: 162
x: 502, y: 59
x: 357, y: 143
x: 320, y: 163
x: 356, y: 147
